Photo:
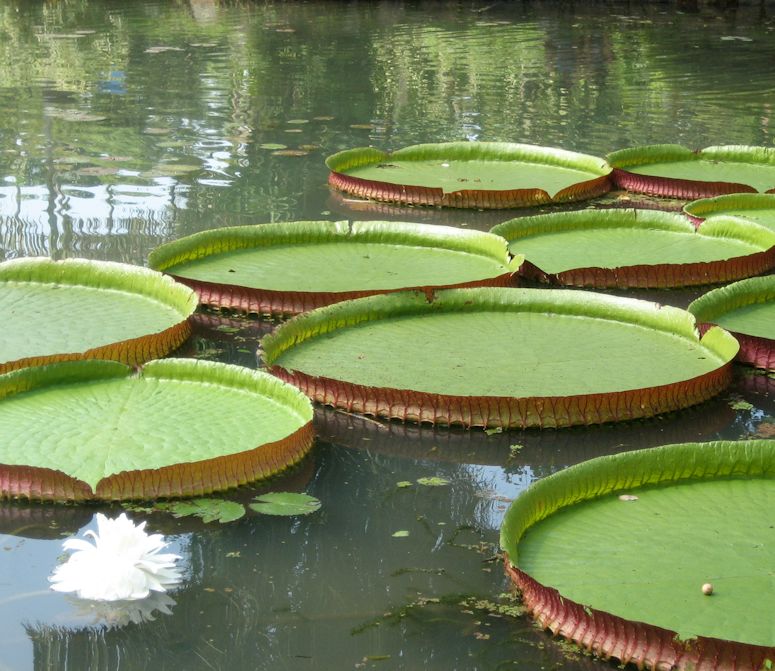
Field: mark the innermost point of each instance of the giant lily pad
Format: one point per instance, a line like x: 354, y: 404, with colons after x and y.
x: 747, y: 309
x: 85, y: 430
x: 293, y: 267
x: 675, y: 171
x: 79, y: 309
x: 756, y: 207
x: 614, y: 554
x: 637, y: 248
x: 485, y: 175
x: 501, y: 357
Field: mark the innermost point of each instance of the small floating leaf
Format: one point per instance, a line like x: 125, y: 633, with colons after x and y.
x: 297, y: 121
x: 433, y: 481
x: 404, y: 483
x: 161, y: 49
x: 285, y: 503
x: 290, y: 152
x: 208, y: 510
x: 272, y: 145
x: 741, y: 405
x: 403, y: 533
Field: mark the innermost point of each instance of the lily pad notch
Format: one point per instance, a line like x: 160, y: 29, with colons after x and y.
x: 483, y: 175
x: 510, y: 358
x: 175, y: 428
x: 81, y: 309
x: 673, y: 171
x: 291, y: 267
x: 747, y: 310
x: 623, y: 621
x: 637, y: 248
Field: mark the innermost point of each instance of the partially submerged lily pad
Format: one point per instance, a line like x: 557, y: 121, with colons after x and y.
x: 628, y: 579
x: 637, y: 248
x: 747, y: 310
x: 292, y: 267
x: 501, y: 357
x: 285, y: 503
x: 85, y: 430
x: 675, y: 171
x: 486, y: 175
x: 208, y: 510
x: 79, y: 309
x: 756, y: 207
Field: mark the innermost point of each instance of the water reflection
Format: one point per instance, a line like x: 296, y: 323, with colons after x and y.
x: 160, y: 113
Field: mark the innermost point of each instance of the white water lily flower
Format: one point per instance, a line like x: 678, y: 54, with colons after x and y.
x: 123, y: 563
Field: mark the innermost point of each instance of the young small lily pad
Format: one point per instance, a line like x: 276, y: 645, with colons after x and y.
x: 434, y: 481
x: 403, y: 484
x: 285, y: 503
x: 209, y: 510
x: 403, y: 533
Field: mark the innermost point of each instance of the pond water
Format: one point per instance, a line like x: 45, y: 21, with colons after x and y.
x: 125, y: 125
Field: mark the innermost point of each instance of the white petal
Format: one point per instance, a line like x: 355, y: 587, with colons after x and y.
x: 124, y: 563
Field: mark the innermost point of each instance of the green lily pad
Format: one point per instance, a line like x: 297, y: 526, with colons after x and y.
x: 469, y: 174
x: 209, y: 510
x: 501, y: 357
x: 747, y: 310
x: 178, y: 427
x: 288, y: 268
x: 433, y: 481
x: 675, y: 171
x: 588, y: 560
x: 285, y: 503
x: 756, y: 207
x: 637, y: 248
x: 78, y: 309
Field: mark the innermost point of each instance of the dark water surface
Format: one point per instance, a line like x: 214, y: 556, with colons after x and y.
x: 124, y: 125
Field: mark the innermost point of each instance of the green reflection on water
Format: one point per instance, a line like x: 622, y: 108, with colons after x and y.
x: 123, y: 125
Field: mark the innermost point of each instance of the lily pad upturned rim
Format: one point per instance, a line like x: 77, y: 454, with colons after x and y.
x: 185, y: 479
x: 704, y: 208
x: 754, y: 350
x: 662, y: 275
x: 109, y: 275
x: 604, y: 634
x: 499, y: 411
x: 688, y: 189
x: 257, y: 300
x: 392, y: 192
